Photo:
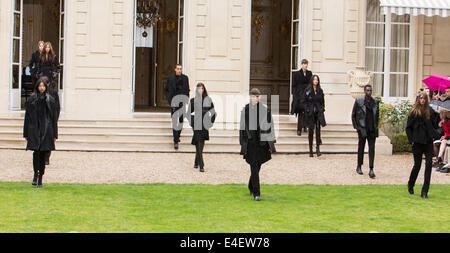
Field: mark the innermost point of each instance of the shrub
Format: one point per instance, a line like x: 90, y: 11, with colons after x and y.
x: 400, y: 143
x: 393, y: 118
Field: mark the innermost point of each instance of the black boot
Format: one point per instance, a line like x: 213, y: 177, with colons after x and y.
x: 310, y: 140
x: 411, y: 189
x: 40, y: 181
x: 424, y: 195
x: 371, y: 174
x: 318, y: 151
x: 311, y: 151
x: 359, y: 170
x: 196, y: 163
x: 35, y: 179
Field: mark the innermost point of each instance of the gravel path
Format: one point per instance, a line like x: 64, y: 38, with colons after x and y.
x: 98, y: 167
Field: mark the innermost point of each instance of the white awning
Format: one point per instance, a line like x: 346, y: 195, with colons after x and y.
x: 416, y: 7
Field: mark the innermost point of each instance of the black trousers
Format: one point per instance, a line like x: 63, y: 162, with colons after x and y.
x: 253, y: 184
x: 199, y: 153
x: 311, y: 129
x: 177, y: 123
x: 47, y: 157
x: 418, y: 151
x: 39, y: 161
x: 300, y: 119
x: 370, y: 138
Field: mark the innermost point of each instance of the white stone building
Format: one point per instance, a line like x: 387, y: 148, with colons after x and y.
x: 112, y: 89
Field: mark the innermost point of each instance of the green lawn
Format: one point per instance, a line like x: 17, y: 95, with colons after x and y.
x: 224, y: 208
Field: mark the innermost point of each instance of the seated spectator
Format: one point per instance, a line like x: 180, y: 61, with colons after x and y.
x: 434, y: 95
x: 446, y: 96
x: 445, y: 124
x: 436, y: 119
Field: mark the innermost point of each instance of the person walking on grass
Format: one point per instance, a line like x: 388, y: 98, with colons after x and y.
x: 365, y: 117
x: 420, y: 132
x: 314, y: 113
x: 257, y: 138
x: 40, y: 128
x: 202, y: 120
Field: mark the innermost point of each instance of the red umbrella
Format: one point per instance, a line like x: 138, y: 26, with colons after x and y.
x: 437, y: 82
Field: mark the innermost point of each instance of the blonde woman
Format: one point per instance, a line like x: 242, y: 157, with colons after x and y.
x: 34, y: 62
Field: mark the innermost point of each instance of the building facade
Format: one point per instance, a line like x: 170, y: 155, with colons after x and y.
x: 109, y: 71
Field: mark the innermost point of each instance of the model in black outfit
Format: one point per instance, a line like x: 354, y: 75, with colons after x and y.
x: 34, y: 62
x: 177, y: 87
x: 40, y: 128
x: 202, y: 120
x: 49, y: 64
x: 421, y: 133
x: 49, y: 68
x: 314, y: 113
x: 257, y: 138
x: 365, y: 117
x: 301, y: 80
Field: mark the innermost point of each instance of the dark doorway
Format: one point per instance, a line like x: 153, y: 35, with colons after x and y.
x: 154, y: 64
x: 41, y: 22
x: 270, y: 67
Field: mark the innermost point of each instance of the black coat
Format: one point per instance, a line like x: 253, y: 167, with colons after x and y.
x: 49, y: 68
x: 420, y: 130
x: 34, y: 65
x: 40, y: 126
x: 314, y: 104
x: 207, y: 112
x: 171, y: 91
x: 359, y: 116
x: 299, y: 84
x: 257, y: 144
x: 435, y: 120
x: 54, y: 93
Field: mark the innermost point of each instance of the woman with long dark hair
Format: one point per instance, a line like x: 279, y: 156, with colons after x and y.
x: 314, y: 113
x: 420, y: 132
x: 40, y: 127
x: 204, y: 116
x: 49, y: 63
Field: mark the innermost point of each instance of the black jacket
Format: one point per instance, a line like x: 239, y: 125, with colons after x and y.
x: 299, y: 84
x: 34, y: 64
x: 49, y: 68
x: 170, y: 90
x: 264, y: 137
x: 435, y: 120
x: 314, y: 103
x: 207, y: 112
x: 40, y: 125
x: 420, y: 130
x: 359, y: 116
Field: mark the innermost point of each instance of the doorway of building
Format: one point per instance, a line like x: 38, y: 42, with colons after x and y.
x: 34, y: 21
x: 158, y: 48
x: 274, y: 48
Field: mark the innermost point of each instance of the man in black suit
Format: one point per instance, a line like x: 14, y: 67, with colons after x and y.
x: 365, y: 116
x: 301, y: 80
x: 177, y: 93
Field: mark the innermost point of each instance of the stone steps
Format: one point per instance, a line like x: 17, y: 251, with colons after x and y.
x: 153, y: 133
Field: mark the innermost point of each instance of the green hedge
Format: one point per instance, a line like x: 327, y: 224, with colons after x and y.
x: 400, y: 143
